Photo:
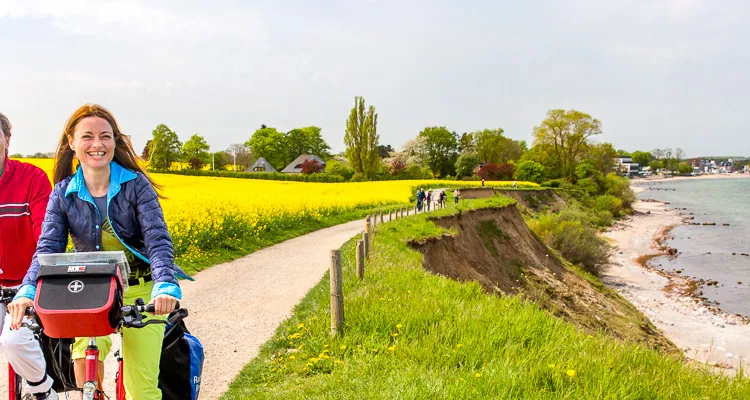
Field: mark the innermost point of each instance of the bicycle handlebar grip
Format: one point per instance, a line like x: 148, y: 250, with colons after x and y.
x: 29, y: 312
x: 149, y: 308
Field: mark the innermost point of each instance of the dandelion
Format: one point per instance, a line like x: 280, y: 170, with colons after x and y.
x: 458, y: 346
x: 551, y: 365
x: 590, y: 337
x: 292, y: 357
x: 300, y: 326
x: 398, y: 326
x: 342, y: 347
x: 338, y: 362
x: 571, y: 373
x: 394, y: 334
x: 477, y: 375
x: 392, y: 348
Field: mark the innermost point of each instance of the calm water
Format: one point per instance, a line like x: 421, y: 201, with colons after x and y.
x: 720, y: 201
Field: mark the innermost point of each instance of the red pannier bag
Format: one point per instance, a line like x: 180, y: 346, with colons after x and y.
x: 79, y: 300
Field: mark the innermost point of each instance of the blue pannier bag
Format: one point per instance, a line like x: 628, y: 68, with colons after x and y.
x: 181, y: 364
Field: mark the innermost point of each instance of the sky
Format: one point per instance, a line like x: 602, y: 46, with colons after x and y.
x: 660, y: 73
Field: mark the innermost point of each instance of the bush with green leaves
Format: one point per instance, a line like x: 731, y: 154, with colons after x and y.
x: 334, y: 167
x: 530, y: 171
x: 572, y: 232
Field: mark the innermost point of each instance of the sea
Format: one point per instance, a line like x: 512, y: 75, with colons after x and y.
x: 712, y: 253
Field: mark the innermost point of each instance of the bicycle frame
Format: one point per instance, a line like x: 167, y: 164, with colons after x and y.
x: 14, y: 384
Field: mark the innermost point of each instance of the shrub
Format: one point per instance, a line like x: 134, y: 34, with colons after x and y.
x: 619, y: 187
x: 334, y: 167
x: 609, y: 203
x: 572, y: 233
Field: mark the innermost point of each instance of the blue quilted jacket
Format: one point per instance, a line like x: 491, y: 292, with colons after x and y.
x: 134, y: 213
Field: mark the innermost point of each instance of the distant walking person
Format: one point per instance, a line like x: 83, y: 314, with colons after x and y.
x: 515, y: 184
x: 429, y: 199
x: 456, y: 195
x: 482, y: 181
x: 420, y: 199
x: 443, y: 198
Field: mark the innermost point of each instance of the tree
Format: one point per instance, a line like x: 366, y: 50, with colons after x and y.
x: 307, y: 140
x: 488, y: 144
x: 397, y: 165
x: 465, y: 165
x: 239, y: 156
x: 220, y: 160
x: 441, y: 148
x: 602, y: 156
x: 311, y: 167
x: 361, y: 138
x: 656, y: 165
x: 530, y: 171
x: 641, y: 157
x: 271, y: 145
x: 497, y: 172
x: 466, y: 143
x: 385, y: 151
x: 493, y: 147
x: 144, y: 154
x: 684, y: 168
x: 566, y: 135
x: 164, y: 148
x: 415, y: 150
x: 196, y: 151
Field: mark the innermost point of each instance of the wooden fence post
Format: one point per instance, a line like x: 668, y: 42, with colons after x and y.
x: 360, y: 256
x: 382, y: 217
x: 337, y: 295
x: 366, y: 240
x: 367, y: 225
x: 390, y: 215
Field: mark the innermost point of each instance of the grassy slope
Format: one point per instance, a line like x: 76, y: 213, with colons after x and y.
x: 411, y: 334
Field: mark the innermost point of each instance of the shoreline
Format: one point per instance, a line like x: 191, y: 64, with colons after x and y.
x: 704, y: 333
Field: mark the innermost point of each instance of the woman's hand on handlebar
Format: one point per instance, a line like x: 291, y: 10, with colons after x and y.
x: 163, y: 304
x: 17, y: 309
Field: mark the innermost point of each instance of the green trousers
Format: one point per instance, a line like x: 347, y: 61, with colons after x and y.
x: 141, y: 350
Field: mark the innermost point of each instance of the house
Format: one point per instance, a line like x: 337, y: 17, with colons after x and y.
x: 626, y: 167
x: 296, y: 166
x: 261, y: 165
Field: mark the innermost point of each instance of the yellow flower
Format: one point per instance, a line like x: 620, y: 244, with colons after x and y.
x: 477, y: 375
x: 300, y: 326
x: 551, y: 365
x: 292, y: 357
x: 392, y: 348
x: 343, y: 347
x: 394, y: 334
x: 590, y: 337
x: 398, y: 326
x: 337, y: 362
x: 458, y: 346
x: 571, y: 373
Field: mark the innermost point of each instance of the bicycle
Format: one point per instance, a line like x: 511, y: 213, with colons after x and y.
x: 15, y: 382
x: 92, y: 312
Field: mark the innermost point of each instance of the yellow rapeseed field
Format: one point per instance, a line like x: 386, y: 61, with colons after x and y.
x: 206, y: 213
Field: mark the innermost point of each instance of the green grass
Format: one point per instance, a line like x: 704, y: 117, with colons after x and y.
x: 412, y: 335
x: 234, y: 249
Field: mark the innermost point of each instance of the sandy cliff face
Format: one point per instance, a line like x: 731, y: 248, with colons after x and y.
x: 495, y: 248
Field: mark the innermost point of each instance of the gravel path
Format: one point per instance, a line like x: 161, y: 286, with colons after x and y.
x: 236, y: 307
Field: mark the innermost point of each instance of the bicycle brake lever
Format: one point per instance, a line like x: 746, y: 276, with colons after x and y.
x: 178, y: 316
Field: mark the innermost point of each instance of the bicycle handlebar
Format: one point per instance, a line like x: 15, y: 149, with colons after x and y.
x: 132, y: 316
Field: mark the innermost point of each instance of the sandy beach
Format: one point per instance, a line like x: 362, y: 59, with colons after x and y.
x: 661, y: 179
x: 704, y: 335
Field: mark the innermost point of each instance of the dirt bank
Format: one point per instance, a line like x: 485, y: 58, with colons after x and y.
x: 495, y: 248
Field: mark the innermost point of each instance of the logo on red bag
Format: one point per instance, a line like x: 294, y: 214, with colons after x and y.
x: 75, y: 286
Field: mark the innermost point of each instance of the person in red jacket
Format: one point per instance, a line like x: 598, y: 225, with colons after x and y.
x: 24, y: 192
